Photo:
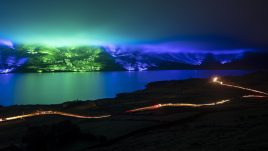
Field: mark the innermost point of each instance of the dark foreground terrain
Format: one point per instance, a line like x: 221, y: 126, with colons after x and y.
x: 240, y: 124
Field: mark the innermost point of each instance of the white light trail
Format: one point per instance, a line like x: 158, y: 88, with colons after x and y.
x: 39, y: 113
x: 216, y: 80
x: 254, y: 96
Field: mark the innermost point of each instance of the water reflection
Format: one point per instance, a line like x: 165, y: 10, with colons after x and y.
x: 52, y: 88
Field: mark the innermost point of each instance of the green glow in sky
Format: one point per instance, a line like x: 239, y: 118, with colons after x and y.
x: 95, y: 22
x: 62, y: 41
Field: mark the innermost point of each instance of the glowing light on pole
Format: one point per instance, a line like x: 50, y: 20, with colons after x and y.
x: 215, y: 79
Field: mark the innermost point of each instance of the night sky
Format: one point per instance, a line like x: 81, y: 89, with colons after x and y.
x: 236, y: 22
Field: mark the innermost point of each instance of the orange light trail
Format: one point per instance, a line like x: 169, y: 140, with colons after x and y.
x: 39, y: 113
x: 216, y: 80
x: 158, y: 106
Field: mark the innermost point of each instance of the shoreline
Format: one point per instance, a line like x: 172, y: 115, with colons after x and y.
x: 108, y: 71
x: 157, y: 83
x: 112, y: 95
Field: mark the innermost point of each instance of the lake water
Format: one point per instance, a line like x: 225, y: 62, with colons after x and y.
x: 53, y: 88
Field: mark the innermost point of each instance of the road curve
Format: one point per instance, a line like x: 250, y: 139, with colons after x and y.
x: 39, y: 113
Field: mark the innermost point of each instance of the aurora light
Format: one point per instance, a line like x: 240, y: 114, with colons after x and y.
x: 64, y: 42
x: 9, y: 60
x: 229, y: 57
x: 144, y: 56
x: 7, y: 43
x: 11, y: 63
x: 82, y: 56
x: 95, y: 22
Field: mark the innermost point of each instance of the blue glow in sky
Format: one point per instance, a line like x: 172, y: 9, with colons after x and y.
x: 95, y: 22
x: 7, y: 43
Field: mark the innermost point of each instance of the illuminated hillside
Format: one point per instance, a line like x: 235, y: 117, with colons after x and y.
x: 45, y: 58
x: 35, y: 58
